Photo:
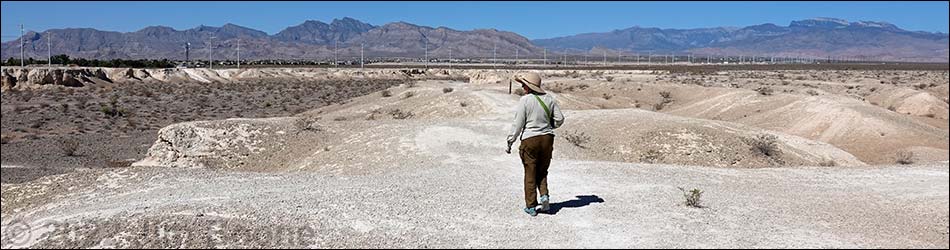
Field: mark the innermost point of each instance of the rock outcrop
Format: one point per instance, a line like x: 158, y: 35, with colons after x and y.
x: 223, y: 144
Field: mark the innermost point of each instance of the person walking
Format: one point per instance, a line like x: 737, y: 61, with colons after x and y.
x: 536, y: 116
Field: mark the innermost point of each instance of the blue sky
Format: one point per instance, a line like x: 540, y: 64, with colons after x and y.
x: 531, y: 19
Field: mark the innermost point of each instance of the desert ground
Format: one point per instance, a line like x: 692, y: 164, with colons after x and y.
x: 396, y: 158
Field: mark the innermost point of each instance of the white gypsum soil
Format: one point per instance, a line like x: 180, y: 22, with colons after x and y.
x: 441, y: 179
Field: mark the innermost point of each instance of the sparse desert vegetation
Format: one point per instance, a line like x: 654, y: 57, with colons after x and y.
x: 327, y: 137
x: 904, y: 158
x: 69, y: 147
x: 578, y: 139
x: 693, y: 197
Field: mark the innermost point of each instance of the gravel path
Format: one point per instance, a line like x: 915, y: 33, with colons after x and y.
x: 601, y: 204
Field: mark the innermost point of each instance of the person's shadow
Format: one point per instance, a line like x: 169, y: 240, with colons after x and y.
x: 581, y: 201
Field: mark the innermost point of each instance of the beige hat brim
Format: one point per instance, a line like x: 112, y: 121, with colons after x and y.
x: 531, y: 86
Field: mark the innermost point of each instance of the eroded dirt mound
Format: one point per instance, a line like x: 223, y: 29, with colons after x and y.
x: 911, y: 102
x: 251, y: 144
x: 415, y: 100
x: 874, y: 134
x: 631, y: 135
x: 871, y: 133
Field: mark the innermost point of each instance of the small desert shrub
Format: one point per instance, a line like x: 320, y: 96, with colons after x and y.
x: 19, y: 109
x: 931, y: 115
x: 607, y: 96
x: 693, y: 197
x: 666, y: 95
x: 37, y: 125
x: 667, y: 99
x: 828, y: 163
x: 65, y: 107
x: 4, y: 140
x: 398, y: 114
x: 572, y: 88
x: 69, y: 147
x: 578, y: 139
x: 904, y: 158
x: 766, y: 91
x: 305, y: 124
x: 609, y: 78
x: 554, y: 88
x: 892, y: 108
x: 386, y: 93
x: 572, y: 74
x: 447, y: 90
x: 119, y: 163
x: 340, y: 118
x: 112, y: 110
x: 463, y: 104
x: 408, y: 95
x: 765, y: 144
x: 651, y: 156
x: 411, y: 84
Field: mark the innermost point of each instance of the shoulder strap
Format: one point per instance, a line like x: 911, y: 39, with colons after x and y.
x: 547, y: 111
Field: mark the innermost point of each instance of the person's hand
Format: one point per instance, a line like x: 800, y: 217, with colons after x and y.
x: 508, y: 151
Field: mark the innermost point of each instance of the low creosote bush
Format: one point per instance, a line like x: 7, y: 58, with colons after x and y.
x: 693, y: 197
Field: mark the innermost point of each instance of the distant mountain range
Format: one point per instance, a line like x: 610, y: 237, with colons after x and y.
x: 342, y: 38
x: 816, y: 38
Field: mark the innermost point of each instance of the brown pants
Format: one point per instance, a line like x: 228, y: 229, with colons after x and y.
x: 536, y: 157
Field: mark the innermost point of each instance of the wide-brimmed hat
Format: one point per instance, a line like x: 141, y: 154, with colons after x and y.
x: 532, y: 80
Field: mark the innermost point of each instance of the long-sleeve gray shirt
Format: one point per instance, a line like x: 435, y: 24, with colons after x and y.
x: 530, y: 119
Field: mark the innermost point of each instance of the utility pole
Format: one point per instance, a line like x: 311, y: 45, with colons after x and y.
x: 605, y: 57
x: 427, y: 53
x: 187, y: 51
x: 21, y: 46
x: 335, y: 47
x: 650, y: 58
x: 49, y: 50
x: 361, y: 55
x: 450, y: 58
x: 210, y: 51
x: 545, y: 62
x: 239, y: 53
x: 516, y: 56
x: 494, y: 56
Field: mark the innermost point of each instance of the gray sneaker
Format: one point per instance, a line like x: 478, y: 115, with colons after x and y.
x: 545, y: 203
x: 531, y: 211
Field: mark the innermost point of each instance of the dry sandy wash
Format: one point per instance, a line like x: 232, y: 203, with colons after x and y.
x: 787, y: 159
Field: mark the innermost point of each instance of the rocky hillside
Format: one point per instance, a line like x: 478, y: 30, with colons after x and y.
x: 310, y: 40
x: 342, y: 38
x: 816, y: 38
